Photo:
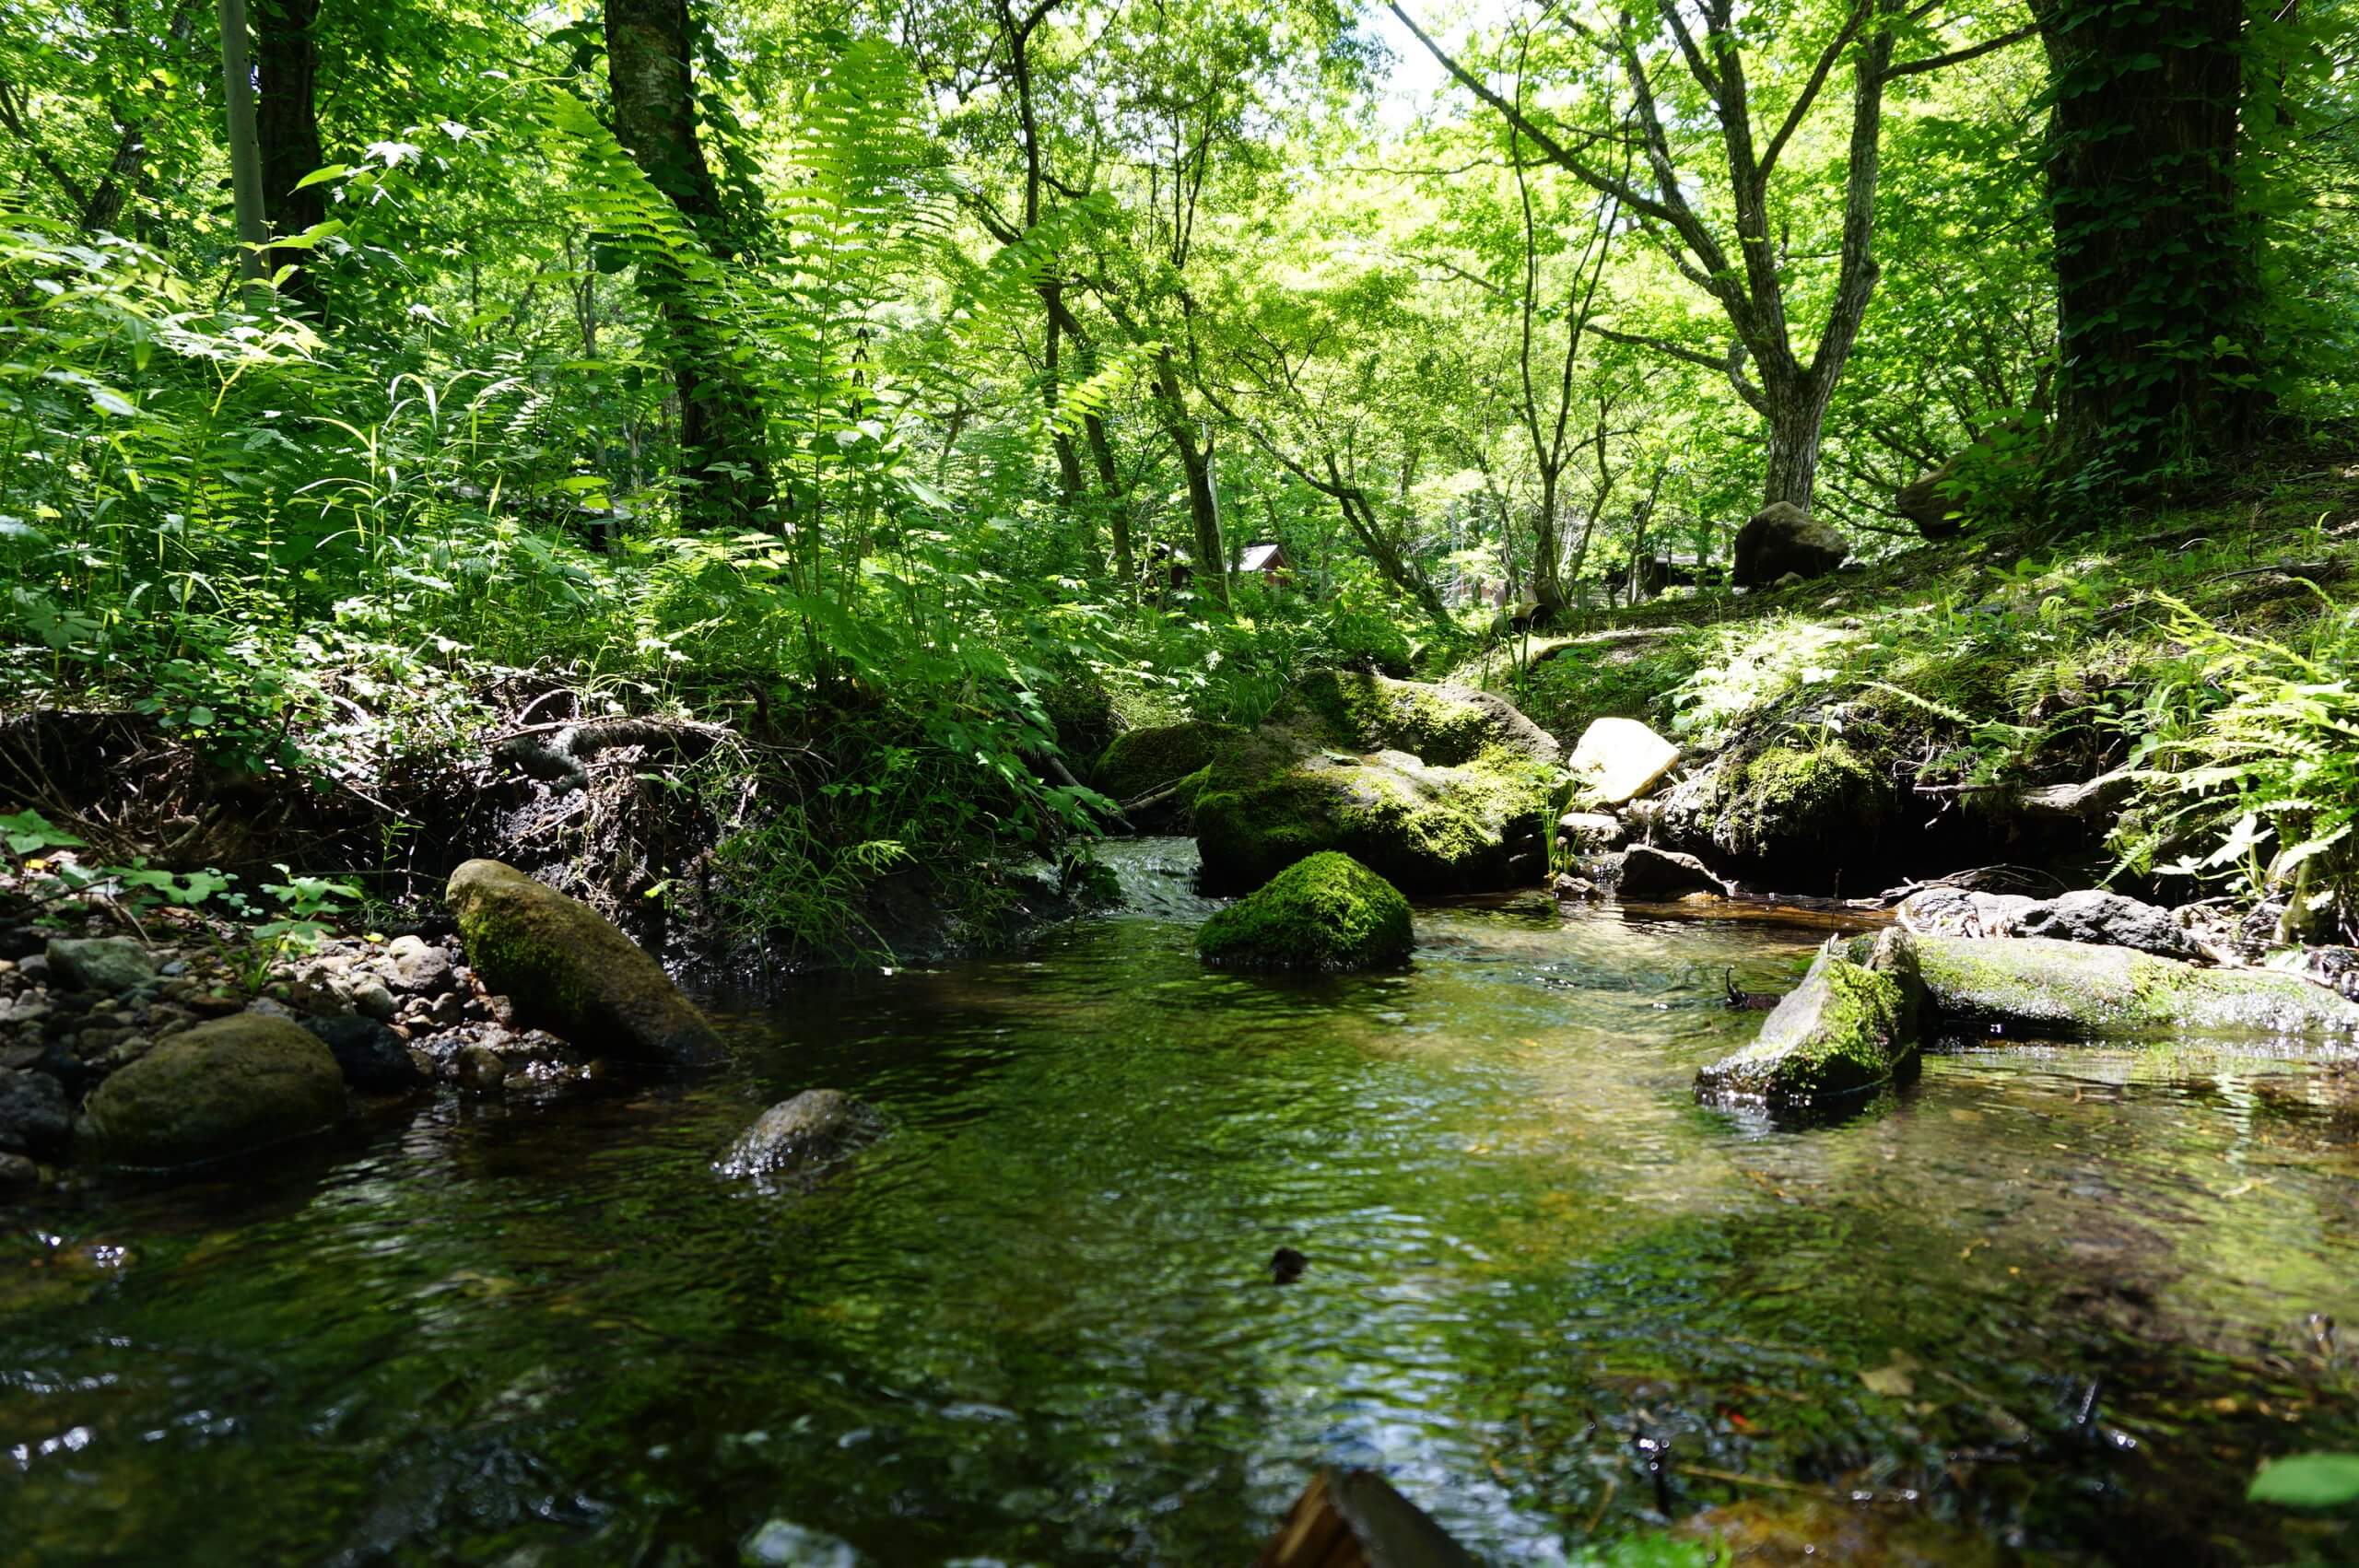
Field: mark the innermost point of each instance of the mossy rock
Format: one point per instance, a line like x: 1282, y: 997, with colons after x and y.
x: 228, y: 1087
x: 1442, y: 724
x: 1427, y: 829
x: 2043, y: 985
x: 570, y: 971
x: 1141, y: 761
x: 1467, y: 812
x: 1328, y: 912
x: 1807, y: 810
x: 1848, y: 1028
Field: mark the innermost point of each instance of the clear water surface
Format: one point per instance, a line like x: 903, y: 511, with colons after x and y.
x: 2048, y: 1298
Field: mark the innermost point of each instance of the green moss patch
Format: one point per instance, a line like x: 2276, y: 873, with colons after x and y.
x: 1844, y: 1029
x: 1785, y: 804
x: 1327, y: 912
x: 1143, y: 761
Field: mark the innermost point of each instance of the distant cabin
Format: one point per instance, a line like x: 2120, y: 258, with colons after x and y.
x: 1270, y: 560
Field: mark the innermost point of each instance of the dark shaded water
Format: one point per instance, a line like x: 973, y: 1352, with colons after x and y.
x: 1035, y: 1326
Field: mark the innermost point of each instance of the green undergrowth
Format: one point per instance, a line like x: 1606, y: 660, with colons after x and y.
x: 2206, y: 650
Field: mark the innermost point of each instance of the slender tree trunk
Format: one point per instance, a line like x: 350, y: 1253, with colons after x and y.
x: 1547, y: 584
x: 245, y: 153
x: 2156, y: 261
x: 1109, y: 489
x: 1195, y: 461
x: 286, y: 125
x: 724, y: 446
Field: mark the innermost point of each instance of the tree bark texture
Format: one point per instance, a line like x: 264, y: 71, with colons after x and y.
x: 2156, y: 261
x: 724, y: 434
x: 286, y: 125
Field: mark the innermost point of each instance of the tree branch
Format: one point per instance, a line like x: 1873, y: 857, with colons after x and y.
x: 1958, y: 56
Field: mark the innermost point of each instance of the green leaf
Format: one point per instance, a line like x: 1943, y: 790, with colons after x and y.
x: 2307, y: 1481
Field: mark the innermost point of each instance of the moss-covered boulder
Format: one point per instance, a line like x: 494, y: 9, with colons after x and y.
x: 570, y: 971
x: 1143, y: 761
x: 1465, y: 808
x: 1442, y: 724
x: 1328, y: 912
x: 227, y: 1087
x: 1427, y: 829
x: 2043, y: 985
x: 1849, y: 1027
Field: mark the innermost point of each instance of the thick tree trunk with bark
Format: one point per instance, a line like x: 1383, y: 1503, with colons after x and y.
x: 2156, y: 261
x: 286, y: 124
x: 725, y: 445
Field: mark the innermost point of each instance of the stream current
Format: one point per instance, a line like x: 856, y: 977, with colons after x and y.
x: 2059, y: 1299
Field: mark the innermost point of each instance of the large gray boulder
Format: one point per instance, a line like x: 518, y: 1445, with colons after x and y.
x: 2045, y: 986
x: 2107, y: 919
x: 569, y: 970
x: 1646, y: 872
x: 1782, y: 538
x: 1846, y: 1029
x: 227, y: 1087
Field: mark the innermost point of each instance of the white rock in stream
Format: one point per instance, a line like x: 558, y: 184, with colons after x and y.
x: 1622, y: 759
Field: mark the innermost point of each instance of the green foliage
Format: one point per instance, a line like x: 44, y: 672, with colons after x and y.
x: 2307, y: 1481
x: 2253, y: 773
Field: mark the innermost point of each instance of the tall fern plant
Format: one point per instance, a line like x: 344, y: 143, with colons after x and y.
x: 2256, y: 780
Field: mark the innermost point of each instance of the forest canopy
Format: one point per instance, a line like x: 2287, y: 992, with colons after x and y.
x: 929, y: 363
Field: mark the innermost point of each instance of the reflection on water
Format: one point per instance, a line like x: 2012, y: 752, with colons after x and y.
x: 1035, y: 1324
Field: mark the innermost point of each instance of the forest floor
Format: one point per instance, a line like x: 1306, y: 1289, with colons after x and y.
x: 1981, y: 669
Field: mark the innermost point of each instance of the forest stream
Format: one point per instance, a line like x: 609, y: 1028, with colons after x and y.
x: 2055, y: 1299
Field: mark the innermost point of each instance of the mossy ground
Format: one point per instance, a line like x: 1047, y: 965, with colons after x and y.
x: 1802, y: 801
x: 1327, y: 912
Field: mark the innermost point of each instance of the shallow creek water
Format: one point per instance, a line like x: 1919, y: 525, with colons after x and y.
x: 1551, y: 1297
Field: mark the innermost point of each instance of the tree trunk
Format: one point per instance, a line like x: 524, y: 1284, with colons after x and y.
x: 1796, y: 414
x: 724, y: 433
x: 286, y: 125
x: 1547, y: 581
x: 245, y: 155
x: 1109, y: 490
x: 2156, y: 261
x: 1204, y: 506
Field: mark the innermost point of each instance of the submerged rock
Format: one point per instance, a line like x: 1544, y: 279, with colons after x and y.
x: 800, y: 1136
x: 782, y: 1543
x: 2044, y: 985
x: 107, y: 964
x: 1620, y: 759
x: 227, y: 1087
x: 1846, y: 1029
x: 1325, y: 913
x: 569, y: 970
